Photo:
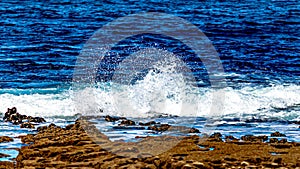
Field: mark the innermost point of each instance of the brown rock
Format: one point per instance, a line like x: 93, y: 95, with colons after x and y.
x: 4, y: 155
x: 27, y: 125
x: 273, y: 140
x: 4, y: 139
x: 277, y: 134
x: 113, y: 119
x: 194, y: 130
x: 198, y: 164
x: 6, y: 165
x: 252, y: 138
x: 127, y: 122
x: 160, y: 128
x: 148, y: 123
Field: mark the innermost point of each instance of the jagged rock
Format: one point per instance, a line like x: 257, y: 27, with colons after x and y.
x: 254, y: 138
x: 273, y: 140
x: 27, y: 125
x: 215, y: 137
x: 148, y: 123
x: 36, y: 119
x: 41, y: 128
x: 230, y: 138
x: 194, y: 130
x: 113, y: 119
x: 277, y: 134
x: 284, y: 140
x: 198, y: 164
x: 72, y: 147
x: 160, y: 128
x: 18, y: 119
x: 6, y: 165
x: 4, y: 139
x: 4, y: 155
x: 127, y: 122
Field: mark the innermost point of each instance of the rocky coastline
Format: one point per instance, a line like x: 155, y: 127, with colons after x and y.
x: 81, y: 145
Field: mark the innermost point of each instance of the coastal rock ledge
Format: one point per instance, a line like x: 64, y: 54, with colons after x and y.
x: 71, y: 147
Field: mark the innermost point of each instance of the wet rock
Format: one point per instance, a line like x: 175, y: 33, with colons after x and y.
x: 16, y: 118
x: 27, y: 139
x: 113, y: 119
x: 6, y: 165
x: 194, y: 130
x: 284, y: 140
x: 9, y: 112
x: 160, y: 128
x: 187, y: 166
x: 252, y: 138
x: 273, y: 140
x: 244, y: 163
x: 41, y: 128
x: 127, y: 122
x: 278, y: 160
x: 27, y: 125
x: 277, y: 134
x: 198, y: 164
x: 5, y: 139
x: 4, y: 155
x: 230, y: 138
x: 271, y: 165
x: 216, y: 137
x: 282, y: 145
x: 251, y: 167
x: 148, y: 123
x: 36, y: 119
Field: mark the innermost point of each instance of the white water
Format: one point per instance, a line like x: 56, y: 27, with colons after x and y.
x: 276, y: 101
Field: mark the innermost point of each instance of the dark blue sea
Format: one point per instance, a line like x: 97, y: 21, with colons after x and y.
x: 257, y: 42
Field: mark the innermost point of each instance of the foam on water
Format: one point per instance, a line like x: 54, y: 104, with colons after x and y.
x: 282, y: 101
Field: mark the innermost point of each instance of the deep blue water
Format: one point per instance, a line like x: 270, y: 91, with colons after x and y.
x: 41, y: 40
x: 258, y: 43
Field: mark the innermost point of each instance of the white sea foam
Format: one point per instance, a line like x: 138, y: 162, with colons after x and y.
x: 136, y: 100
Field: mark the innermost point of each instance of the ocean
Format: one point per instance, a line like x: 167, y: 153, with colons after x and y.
x: 257, y: 42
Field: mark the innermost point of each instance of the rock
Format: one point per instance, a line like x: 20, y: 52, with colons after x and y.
x: 127, y: 122
x: 5, y: 139
x: 42, y: 128
x: 273, y: 140
x: 6, y: 165
x: 194, y: 130
x: 72, y: 147
x: 9, y: 113
x: 271, y: 165
x: 160, y: 128
x: 277, y: 134
x: 244, y: 163
x: 148, y: 123
x: 36, y: 119
x: 4, y: 155
x: 27, y: 139
x: 187, y: 166
x: 251, y: 167
x: 284, y: 140
x: 278, y: 160
x: 18, y: 119
x: 252, y: 138
x: 216, y: 137
x: 113, y: 119
x: 198, y: 164
x: 27, y: 125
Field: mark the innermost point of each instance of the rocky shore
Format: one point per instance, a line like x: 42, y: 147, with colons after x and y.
x: 81, y: 145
